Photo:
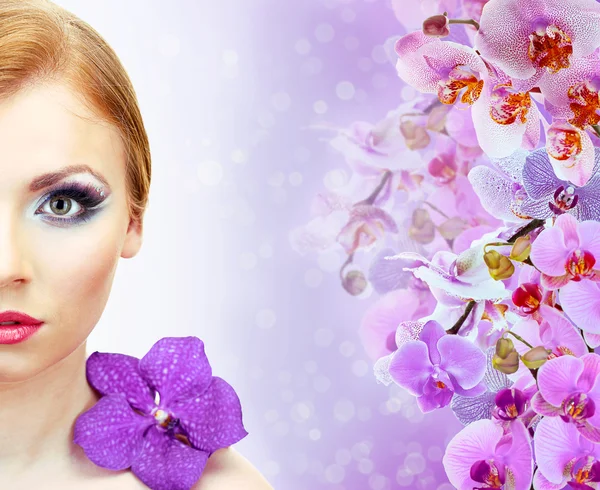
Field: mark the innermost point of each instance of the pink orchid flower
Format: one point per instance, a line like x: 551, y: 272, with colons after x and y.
x: 555, y: 333
x: 452, y: 71
x: 564, y: 457
x: 529, y: 39
x: 570, y: 389
x: 567, y: 252
x: 482, y: 455
x: 366, y: 225
x: 380, y: 322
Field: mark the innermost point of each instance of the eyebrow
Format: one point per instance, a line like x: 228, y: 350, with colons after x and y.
x: 48, y: 179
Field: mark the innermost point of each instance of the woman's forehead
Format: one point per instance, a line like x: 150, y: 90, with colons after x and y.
x: 41, y: 132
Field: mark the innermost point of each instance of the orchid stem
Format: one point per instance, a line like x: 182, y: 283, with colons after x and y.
x: 532, y: 225
x: 472, y: 22
x: 521, y: 339
x: 345, y: 264
x: 435, y: 208
x: 371, y: 199
x: 456, y: 327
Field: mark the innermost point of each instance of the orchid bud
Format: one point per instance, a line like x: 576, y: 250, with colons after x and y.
x: 355, y: 282
x: 415, y: 137
x: 521, y: 249
x: 504, y: 347
x: 506, y: 358
x: 500, y: 266
x: 436, y: 26
x: 422, y: 229
x: 536, y: 357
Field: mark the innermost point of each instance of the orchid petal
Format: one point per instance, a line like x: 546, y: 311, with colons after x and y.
x: 557, y: 378
x: 111, y: 373
x: 556, y: 445
x: 475, y: 442
x: 213, y: 419
x: 113, y: 445
x: 462, y: 360
x: 410, y: 367
x: 177, y: 367
x: 581, y: 302
x: 166, y: 463
x: 549, y: 252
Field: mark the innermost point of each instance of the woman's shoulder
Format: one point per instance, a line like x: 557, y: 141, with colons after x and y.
x: 227, y: 469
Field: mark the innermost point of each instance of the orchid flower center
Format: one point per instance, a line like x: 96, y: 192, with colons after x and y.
x: 510, y: 403
x: 488, y: 473
x: 580, y: 264
x: 564, y: 199
x: 561, y: 351
x: 436, y: 375
x: 578, y: 407
x: 443, y: 168
x: 585, y: 470
x: 459, y: 78
x: 585, y: 103
x: 550, y: 47
x: 564, y: 143
x: 527, y: 297
x: 506, y: 105
x: 164, y: 418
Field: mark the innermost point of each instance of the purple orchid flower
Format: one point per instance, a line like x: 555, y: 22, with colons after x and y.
x: 165, y: 443
x: 438, y: 365
x: 569, y: 389
x: 483, y: 456
x: 564, y: 457
x: 550, y: 196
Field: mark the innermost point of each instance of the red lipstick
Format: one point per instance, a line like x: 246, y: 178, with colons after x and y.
x: 24, y: 327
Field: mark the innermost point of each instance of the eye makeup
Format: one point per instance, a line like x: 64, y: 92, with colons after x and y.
x: 87, y: 196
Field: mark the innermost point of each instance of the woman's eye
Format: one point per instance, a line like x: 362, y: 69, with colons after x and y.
x: 61, y: 205
x: 73, y: 204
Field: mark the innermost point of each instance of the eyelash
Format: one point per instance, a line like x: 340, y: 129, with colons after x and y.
x: 84, y: 194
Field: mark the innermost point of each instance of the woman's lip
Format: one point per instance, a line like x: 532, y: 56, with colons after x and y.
x: 13, y: 334
x: 17, y: 316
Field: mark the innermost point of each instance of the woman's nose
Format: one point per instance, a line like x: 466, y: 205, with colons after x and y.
x: 12, y: 257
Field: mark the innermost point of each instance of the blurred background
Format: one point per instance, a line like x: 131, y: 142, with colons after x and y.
x: 239, y: 99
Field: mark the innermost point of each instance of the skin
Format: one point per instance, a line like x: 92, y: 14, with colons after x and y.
x: 62, y: 274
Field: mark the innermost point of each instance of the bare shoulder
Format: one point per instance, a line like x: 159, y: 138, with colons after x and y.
x: 227, y: 469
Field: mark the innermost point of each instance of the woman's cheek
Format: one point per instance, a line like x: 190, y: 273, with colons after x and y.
x: 77, y: 268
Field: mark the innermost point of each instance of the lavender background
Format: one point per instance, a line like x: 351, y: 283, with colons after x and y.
x: 231, y: 92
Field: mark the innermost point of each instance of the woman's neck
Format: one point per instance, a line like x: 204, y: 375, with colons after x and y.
x: 37, y: 418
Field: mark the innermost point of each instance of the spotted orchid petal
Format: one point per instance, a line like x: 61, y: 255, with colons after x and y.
x: 544, y: 35
x: 449, y: 69
x: 111, y: 373
x: 177, y: 367
x: 571, y: 152
x: 212, y: 420
x: 501, y: 117
x: 168, y: 464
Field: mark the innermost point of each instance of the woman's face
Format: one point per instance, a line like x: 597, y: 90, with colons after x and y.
x: 58, y: 255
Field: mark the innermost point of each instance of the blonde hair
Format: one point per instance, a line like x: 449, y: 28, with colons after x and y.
x: 41, y: 42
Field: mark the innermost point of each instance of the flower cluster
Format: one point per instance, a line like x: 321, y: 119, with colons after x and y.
x: 473, y: 210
